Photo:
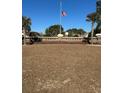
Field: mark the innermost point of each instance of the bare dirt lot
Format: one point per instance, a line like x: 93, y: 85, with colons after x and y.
x: 61, y: 68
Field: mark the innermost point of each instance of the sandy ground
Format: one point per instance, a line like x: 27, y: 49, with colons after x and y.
x: 61, y: 68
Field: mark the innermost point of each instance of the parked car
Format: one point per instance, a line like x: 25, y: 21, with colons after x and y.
x: 35, y: 37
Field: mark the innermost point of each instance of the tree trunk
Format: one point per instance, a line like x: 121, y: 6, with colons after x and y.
x: 24, y: 36
x: 92, y: 32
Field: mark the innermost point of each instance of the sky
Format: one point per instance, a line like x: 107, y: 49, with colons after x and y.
x: 45, y: 13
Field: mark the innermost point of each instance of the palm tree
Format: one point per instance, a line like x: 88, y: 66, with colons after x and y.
x: 26, y: 23
x: 92, y: 18
x: 98, y: 16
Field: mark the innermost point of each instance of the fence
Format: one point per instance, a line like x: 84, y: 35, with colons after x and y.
x: 64, y: 40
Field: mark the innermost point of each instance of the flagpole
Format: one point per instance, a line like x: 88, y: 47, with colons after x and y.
x: 60, y: 15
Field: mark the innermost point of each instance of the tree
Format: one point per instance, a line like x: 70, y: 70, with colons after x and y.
x: 98, y: 16
x: 75, y: 32
x: 95, y: 18
x: 54, y: 30
x: 92, y: 18
x: 26, y: 23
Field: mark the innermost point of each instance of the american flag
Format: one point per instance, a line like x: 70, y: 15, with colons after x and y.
x: 64, y: 13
